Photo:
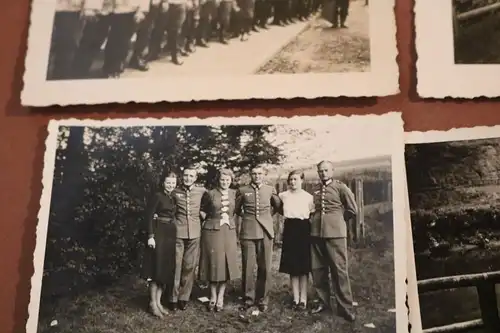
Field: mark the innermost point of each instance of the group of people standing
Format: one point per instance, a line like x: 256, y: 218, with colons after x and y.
x: 161, y: 27
x: 190, y: 227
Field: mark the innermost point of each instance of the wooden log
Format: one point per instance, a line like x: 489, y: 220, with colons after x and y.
x: 478, y: 12
x: 360, y: 214
x: 457, y: 327
x: 489, y: 307
x: 457, y: 281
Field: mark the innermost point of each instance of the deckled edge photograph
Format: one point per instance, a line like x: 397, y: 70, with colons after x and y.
x: 371, y: 126
x: 452, y: 135
x: 442, y: 31
x: 382, y: 79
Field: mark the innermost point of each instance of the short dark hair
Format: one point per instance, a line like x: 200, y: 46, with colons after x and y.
x: 190, y: 167
x: 293, y: 173
x: 258, y: 166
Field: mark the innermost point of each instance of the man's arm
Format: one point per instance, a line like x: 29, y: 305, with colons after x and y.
x: 276, y: 202
x: 349, y: 201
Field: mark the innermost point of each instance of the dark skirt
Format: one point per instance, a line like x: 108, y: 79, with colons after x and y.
x: 218, y: 257
x: 159, y: 263
x: 296, y: 248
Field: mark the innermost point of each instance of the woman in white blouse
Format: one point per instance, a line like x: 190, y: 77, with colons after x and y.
x: 296, y: 250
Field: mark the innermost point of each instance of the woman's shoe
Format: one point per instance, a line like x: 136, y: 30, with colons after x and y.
x: 219, y: 307
x: 295, y: 305
x: 155, y: 310
x: 211, y: 306
x: 302, y: 306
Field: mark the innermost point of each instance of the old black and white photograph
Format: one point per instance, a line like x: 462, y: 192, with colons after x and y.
x: 476, y: 31
x: 161, y: 49
x: 219, y: 225
x: 453, y: 185
x: 458, y: 48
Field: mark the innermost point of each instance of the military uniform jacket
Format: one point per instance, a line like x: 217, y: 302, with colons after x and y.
x: 187, y: 216
x: 332, y: 202
x: 215, y: 205
x: 256, y: 206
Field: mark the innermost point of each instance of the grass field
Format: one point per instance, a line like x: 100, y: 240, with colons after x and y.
x: 122, y: 308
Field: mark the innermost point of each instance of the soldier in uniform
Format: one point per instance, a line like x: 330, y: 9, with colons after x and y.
x: 176, y: 17
x: 208, y: 13
x: 190, y: 26
x: 225, y: 10
x: 340, y: 12
x: 334, y: 205
x: 115, y: 23
x: 144, y: 32
x: 65, y: 32
x: 263, y: 9
x: 188, y: 221
x: 256, y: 203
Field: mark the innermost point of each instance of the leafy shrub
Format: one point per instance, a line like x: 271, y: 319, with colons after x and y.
x: 454, y: 225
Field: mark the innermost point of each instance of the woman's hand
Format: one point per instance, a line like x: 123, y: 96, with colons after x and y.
x: 151, y: 242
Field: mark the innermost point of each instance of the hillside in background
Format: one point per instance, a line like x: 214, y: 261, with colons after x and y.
x: 453, y: 190
x: 461, y: 172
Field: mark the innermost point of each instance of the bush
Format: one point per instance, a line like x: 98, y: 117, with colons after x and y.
x: 454, y: 225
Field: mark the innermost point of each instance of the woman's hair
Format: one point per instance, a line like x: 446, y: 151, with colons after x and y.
x: 165, y: 175
x: 224, y: 172
x: 293, y: 173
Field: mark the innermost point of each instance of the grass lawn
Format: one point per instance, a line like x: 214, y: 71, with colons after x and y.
x: 122, y: 308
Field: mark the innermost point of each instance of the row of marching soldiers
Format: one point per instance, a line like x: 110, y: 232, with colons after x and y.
x: 82, y: 28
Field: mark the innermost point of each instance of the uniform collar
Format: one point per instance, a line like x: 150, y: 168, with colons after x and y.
x: 255, y: 186
x: 187, y: 188
x: 328, y: 182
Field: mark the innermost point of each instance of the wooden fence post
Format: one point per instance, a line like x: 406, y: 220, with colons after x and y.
x: 389, y: 191
x: 489, y: 306
x: 359, y: 229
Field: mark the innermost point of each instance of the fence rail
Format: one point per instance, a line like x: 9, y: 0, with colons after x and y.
x: 488, y: 303
x: 471, y: 14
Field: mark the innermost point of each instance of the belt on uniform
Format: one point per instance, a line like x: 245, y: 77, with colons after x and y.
x: 165, y: 219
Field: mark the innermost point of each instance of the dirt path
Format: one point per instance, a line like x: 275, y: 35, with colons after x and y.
x: 320, y: 49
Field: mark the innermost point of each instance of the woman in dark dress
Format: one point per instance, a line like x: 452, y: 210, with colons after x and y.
x: 296, y: 250
x: 218, y: 258
x: 161, y: 242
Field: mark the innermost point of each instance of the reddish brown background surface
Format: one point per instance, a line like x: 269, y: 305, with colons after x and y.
x: 23, y: 131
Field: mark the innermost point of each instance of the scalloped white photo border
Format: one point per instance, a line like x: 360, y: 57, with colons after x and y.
x: 383, y: 131
x: 437, y: 74
x: 416, y: 137
x: 381, y: 80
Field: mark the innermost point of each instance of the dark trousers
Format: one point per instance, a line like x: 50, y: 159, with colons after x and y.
x: 144, y: 34
x: 160, y: 28
x: 340, y: 11
x: 65, y: 34
x: 280, y: 11
x: 329, y: 257
x: 187, y: 252
x: 208, y: 13
x: 257, y: 252
x: 263, y: 10
x: 94, y: 34
x: 122, y: 27
x: 176, y: 16
x: 118, y: 29
x: 190, y: 27
x: 224, y: 17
